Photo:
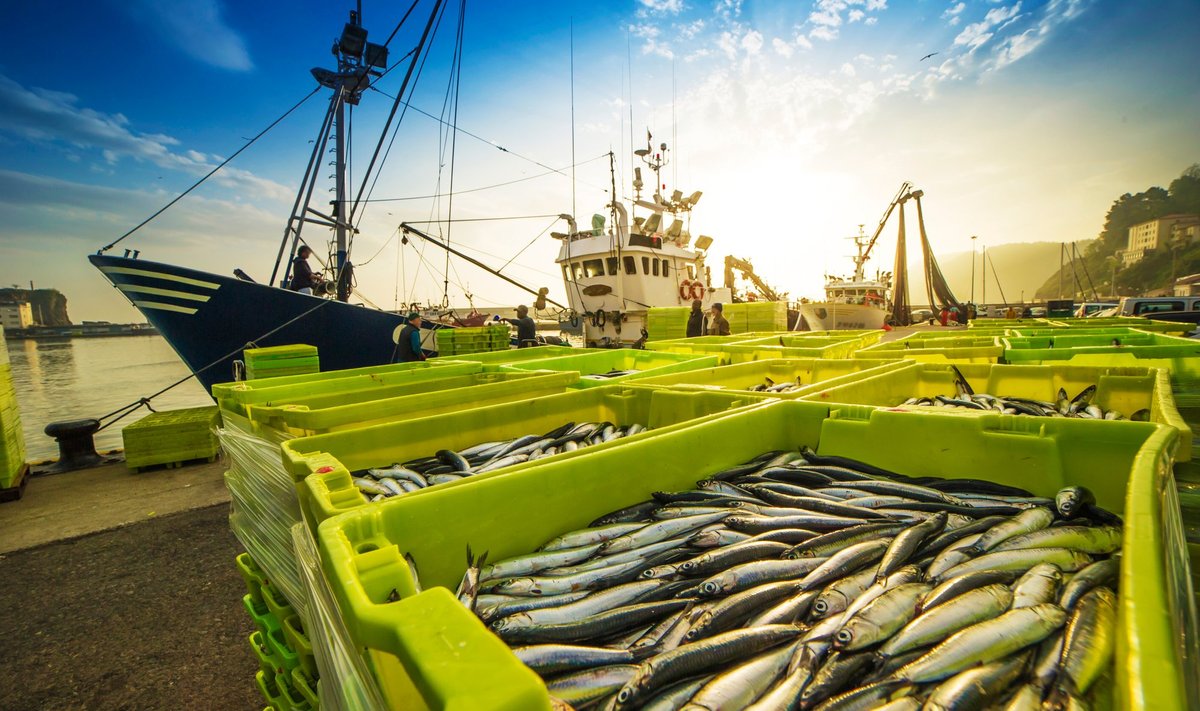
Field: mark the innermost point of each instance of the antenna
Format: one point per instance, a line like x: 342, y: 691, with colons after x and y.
x: 674, y: 126
x: 573, y: 116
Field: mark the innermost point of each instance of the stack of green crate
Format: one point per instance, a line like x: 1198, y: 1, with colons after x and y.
x: 12, y: 442
x: 295, y: 359
x: 667, y: 322
x: 171, y: 437
x: 287, y: 675
x: 460, y: 341
x: 755, y: 316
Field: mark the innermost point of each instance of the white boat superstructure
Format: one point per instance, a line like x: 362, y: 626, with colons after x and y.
x: 624, y: 265
x: 852, y: 303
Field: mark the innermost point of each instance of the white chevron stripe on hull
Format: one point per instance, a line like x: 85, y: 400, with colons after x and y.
x: 160, y: 275
x: 163, y: 306
x: 163, y: 292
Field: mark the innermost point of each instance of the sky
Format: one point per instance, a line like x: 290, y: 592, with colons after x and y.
x: 797, y: 120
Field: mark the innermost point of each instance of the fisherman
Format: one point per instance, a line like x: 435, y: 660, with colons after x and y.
x: 944, y: 316
x: 526, y: 328
x: 717, y: 325
x: 303, y: 278
x: 695, y: 322
x: 1010, y: 314
x: 408, y: 346
x: 954, y: 315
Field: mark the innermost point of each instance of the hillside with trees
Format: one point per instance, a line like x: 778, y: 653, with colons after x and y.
x: 1159, y: 268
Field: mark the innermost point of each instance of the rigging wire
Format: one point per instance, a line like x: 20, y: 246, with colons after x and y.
x: 481, y: 219
x: 530, y: 244
x: 458, y: 53
x: 506, y: 183
x: 210, y: 173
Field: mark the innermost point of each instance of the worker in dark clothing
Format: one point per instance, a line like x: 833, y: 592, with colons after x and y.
x: 303, y: 278
x: 695, y: 322
x: 408, y: 345
x: 718, y: 326
x: 526, y: 328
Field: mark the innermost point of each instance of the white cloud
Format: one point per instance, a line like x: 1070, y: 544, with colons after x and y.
x: 952, y: 13
x: 692, y: 29
x: 752, y: 42
x: 871, y: 21
x: 803, y: 42
x: 823, y: 33
x: 671, y: 6
x: 727, y: 44
x: 856, y: 15
x: 650, y: 34
x: 873, y: 5
x: 848, y: 70
x: 728, y: 9
x: 55, y: 117
x: 977, y: 33
x: 782, y: 48
x: 197, y: 28
x: 828, y: 13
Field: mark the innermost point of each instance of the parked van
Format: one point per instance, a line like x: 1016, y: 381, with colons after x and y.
x: 1148, y: 306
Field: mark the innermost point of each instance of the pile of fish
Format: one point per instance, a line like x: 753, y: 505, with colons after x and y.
x: 1080, y: 406
x: 447, y: 465
x: 611, y: 374
x: 799, y: 581
x: 770, y: 386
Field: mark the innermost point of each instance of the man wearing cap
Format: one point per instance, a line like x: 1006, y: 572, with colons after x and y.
x: 717, y: 325
x: 526, y: 328
x: 408, y: 346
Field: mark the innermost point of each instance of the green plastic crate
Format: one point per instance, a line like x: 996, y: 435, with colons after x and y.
x: 296, y: 359
x: 1141, y: 323
x: 270, y: 690
x: 267, y: 661
x: 961, y: 349
x: 170, y: 437
x: 492, y: 360
x: 321, y: 465
x: 279, y: 648
x: 362, y: 552
x: 595, y: 360
x: 253, y: 576
x: 276, y: 603
x: 260, y: 615
x: 331, y: 413
x: 1125, y: 390
x: 740, y: 377
x: 235, y: 397
x: 292, y: 699
x: 306, y: 685
x: 1148, y: 350
x: 297, y: 641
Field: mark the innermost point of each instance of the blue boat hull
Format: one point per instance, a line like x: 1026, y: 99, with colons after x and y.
x: 209, y: 319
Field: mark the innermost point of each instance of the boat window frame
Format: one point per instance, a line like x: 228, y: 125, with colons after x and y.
x: 610, y: 263
x: 645, y: 265
x: 666, y: 268
x: 630, y: 264
x: 593, y: 268
x: 654, y: 266
x: 577, y: 270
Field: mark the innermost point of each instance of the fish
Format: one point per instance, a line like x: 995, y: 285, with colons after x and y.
x: 880, y: 618
x: 1038, y: 585
x: 936, y: 623
x: 1088, y: 646
x: 742, y: 684
x: 978, y: 687
x: 583, y: 687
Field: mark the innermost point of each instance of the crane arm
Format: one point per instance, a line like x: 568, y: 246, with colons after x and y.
x: 901, y: 195
x: 747, y: 270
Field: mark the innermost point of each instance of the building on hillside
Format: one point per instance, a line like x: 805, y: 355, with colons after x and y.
x: 1154, y: 234
x: 16, y: 315
x: 1187, y: 285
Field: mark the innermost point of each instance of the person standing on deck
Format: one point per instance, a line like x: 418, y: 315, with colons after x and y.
x: 718, y: 326
x: 695, y: 322
x: 408, y: 346
x: 526, y: 328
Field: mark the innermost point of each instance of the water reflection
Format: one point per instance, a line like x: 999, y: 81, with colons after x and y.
x: 91, y: 377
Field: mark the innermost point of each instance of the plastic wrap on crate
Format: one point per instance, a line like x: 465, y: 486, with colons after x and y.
x: 337, y: 656
x: 264, y: 506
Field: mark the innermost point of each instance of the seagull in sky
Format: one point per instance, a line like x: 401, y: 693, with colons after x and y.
x: 928, y: 56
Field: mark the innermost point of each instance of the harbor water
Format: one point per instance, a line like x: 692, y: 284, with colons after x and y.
x: 90, y: 377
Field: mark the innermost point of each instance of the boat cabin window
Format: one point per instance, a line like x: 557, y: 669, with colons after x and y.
x: 645, y: 265
x: 593, y: 268
x: 1155, y: 306
x: 566, y: 272
x: 666, y: 270
x: 655, y: 261
x: 612, y: 266
x: 578, y: 270
x: 630, y: 266
x: 691, y: 271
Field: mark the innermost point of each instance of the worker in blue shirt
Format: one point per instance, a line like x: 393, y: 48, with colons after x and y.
x: 408, y: 346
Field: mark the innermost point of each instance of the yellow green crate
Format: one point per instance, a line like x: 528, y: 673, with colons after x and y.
x: 493, y: 360
x: 322, y: 465
x: 295, y: 359
x: 1006, y: 322
x: 1176, y: 328
x: 171, y: 437
x: 277, y: 641
x: 594, y: 361
x: 260, y: 615
x: 1147, y: 350
x: 292, y: 699
x: 336, y: 411
x: 297, y: 641
x: 960, y: 349
x: 1124, y: 389
x: 252, y: 575
x: 362, y: 552
x: 1113, y: 331
x: 270, y: 690
x: 306, y: 685
x: 267, y: 661
x: 234, y: 397
x: 277, y: 604
x: 741, y: 377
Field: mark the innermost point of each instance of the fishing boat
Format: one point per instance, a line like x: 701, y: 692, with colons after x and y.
x: 627, y: 263
x: 208, y: 319
x: 854, y: 302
